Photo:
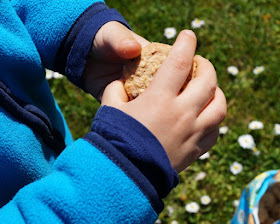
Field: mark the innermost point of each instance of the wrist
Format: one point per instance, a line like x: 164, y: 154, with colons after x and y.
x: 139, y: 145
x: 73, y: 54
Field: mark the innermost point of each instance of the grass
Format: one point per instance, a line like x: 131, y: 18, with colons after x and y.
x: 242, y: 33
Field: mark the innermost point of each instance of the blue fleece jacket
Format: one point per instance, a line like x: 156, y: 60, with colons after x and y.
x: 117, y: 173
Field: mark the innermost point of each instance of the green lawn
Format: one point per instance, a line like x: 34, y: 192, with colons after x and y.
x: 239, y: 33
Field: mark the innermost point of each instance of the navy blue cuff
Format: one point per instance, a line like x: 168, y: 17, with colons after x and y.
x: 139, y: 146
x: 73, y: 53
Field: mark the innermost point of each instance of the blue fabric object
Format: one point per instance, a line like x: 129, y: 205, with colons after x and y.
x: 252, y: 193
x: 23, y: 157
x: 47, y: 22
x: 128, y: 167
x: 72, y: 55
x: 137, y: 144
x: 84, y: 187
x: 33, y: 117
x: 83, y: 184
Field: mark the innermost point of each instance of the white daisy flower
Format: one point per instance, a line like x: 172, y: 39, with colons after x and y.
x: 255, y: 125
x: 170, y: 210
x: 233, y: 70
x: 205, y: 200
x: 246, y: 141
x: 174, y: 222
x: 235, y: 203
x: 49, y: 74
x: 170, y: 32
x: 236, y: 168
x: 192, y: 207
x: 277, y: 129
x: 56, y: 75
x: 197, y: 23
x: 200, y: 176
x: 223, y: 130
x: 204, y: 156
x: 256, y: 152
x: 257, y: 70
x: 158, y: 221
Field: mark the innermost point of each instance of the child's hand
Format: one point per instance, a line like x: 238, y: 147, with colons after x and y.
x: 112, y: 44
x: 186, y: 124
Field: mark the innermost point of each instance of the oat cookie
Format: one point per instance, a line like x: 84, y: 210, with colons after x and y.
x: 138, y: 73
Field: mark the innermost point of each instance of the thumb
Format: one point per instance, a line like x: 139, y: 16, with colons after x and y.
x: 114, y: 40
x: 114, y: 94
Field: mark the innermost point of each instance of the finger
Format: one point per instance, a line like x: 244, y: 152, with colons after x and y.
x: 114, y: 94
x: 214, y: 113
x: 114, y: 40
x: 200, y: 89
x: 140, y: 40
x: 172, y: 74
x: 101, y: 75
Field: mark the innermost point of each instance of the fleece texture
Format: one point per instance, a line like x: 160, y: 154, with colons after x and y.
x: 84, y: 187
x: 48, y: 22
x: 140, y: 146
x: 72, y: 55
x: 88, y: 182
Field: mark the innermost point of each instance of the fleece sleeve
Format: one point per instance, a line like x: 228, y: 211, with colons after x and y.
x: 118, y: 173
x: 63, y: 30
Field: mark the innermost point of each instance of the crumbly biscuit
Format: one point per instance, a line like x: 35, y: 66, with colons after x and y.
x: 138, y: 73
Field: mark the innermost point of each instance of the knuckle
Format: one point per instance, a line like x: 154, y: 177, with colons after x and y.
x: 211, y: 81
x: 211, y: 87
x: 221, y: 113
x: 223, y: 105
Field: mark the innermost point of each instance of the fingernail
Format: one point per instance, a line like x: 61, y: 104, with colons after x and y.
x: 190, y: 33
x: 129, y: 42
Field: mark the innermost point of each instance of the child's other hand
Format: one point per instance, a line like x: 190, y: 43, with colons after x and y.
x: 185, y: 123
x: 112, y: 44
